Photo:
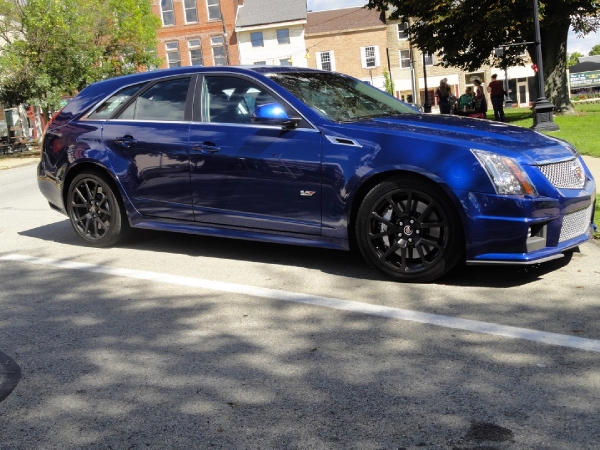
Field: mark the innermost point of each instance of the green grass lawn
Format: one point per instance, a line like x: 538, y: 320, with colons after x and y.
x: 580, y: 129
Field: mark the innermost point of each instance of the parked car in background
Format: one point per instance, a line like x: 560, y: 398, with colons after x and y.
x: 305, y: 157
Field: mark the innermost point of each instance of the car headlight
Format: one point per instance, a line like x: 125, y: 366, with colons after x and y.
x: 506, y: 174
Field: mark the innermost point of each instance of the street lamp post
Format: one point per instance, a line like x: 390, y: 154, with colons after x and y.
x: 426, y: 105
x: 542, y: 109
x: 507, y: 100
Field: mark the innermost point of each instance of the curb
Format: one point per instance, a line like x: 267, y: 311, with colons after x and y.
x: 26, y: 162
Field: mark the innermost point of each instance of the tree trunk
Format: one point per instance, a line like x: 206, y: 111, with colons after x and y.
x: 554, y: 53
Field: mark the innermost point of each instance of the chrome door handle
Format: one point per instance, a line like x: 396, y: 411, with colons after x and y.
x: 206, y: 147
x: 126, y: 141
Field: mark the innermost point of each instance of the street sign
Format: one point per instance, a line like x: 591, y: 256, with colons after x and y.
x: 584, y: 79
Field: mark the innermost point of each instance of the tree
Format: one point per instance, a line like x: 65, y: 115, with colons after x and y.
x: 465, y: 33
x: 388, y: 83
x: 595, y: 50
x: 57, y: 47
x: 573, y: 58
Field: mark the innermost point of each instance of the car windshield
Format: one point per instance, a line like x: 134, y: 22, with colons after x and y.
x: 339, y: 98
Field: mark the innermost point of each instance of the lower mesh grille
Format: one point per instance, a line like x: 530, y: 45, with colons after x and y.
x: 575, y: 224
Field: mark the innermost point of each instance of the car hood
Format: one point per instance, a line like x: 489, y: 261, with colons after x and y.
x: 528, y: 146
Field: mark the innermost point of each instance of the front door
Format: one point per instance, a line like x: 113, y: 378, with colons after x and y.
x: 522, y: 94
x: 249, y: 175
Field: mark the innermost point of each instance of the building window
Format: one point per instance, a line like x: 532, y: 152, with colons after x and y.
x: 168, y: 16
x: 191, y: 13
x: 173, y: 54
x: 404, y: 59
x: 260, y: 63
x: 218, y: 51
x: 257, y: 39
x: 370, y: 57
x: 403, y: 31
x: 283, y: 36
x: 285, y: 62
x: 428, y: 59
x: 325, y: 61
x: 214, y: 10
x: 195, y: 52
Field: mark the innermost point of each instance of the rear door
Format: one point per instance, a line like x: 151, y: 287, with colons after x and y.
x: 149, y: 137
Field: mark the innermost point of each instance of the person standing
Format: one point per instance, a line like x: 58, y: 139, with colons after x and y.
x: 496, y: 91
x: 443, y: 95
x: 479, y: 99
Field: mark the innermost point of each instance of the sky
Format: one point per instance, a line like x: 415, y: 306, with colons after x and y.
x: 574, y: 44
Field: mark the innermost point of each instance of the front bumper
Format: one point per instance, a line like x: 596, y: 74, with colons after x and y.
x: 527, y: 230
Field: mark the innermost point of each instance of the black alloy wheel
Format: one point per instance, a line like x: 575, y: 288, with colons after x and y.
x: 94, y: 210
x: 407, y: 228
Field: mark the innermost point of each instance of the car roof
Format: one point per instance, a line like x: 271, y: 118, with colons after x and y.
x: 161, y: 73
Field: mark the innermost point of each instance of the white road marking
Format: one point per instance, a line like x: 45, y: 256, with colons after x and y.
x: 328, y: 302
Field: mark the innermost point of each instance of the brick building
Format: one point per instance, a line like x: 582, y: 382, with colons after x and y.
x: 351, y: 40
x: 197, y: 32
x: 271, y: 32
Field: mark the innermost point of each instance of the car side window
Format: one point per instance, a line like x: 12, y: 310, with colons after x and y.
x: 232, y: 100
x: 105, y: 110
x: 163, y: 101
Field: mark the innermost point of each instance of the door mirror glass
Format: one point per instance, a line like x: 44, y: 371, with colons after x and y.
x: 273, y: 114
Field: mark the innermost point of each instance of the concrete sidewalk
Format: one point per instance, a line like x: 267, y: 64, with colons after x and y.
x: 19, y: 159
x: 594, y: 166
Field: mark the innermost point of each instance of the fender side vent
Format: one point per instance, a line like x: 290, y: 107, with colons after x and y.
x: 343, y: 141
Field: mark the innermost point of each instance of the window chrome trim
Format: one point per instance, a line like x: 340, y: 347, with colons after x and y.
x: 125, y: 86
x: 220, y: 124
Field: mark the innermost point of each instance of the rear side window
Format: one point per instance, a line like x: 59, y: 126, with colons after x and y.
x: 109, y: 106
x: 163, y: 101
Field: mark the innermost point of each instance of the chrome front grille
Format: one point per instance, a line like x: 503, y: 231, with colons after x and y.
x: 575, y: 223
x: 565, y: 174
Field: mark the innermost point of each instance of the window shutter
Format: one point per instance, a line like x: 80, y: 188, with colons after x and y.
x: 377, y: 59
x: 332, y: 57
x: 363, y: 57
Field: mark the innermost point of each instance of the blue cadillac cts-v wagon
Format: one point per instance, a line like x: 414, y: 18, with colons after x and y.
x: 306, y: 157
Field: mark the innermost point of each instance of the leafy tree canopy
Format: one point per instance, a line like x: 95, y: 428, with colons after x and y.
x: 57, y: 47
x: 594, y: 51
x: 465, y: 33
x: 573, y: 58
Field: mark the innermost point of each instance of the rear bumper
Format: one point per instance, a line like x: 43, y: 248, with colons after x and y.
x: 50, y: 188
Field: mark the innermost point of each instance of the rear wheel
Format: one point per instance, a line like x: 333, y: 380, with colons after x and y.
x: 407, y: 228
x: 94, y: 211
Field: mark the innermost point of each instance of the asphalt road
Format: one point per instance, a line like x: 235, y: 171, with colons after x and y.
x: 175, y: 341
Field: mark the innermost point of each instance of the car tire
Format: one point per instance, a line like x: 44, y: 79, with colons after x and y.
x: 407, y: 228
x: 94, y: 211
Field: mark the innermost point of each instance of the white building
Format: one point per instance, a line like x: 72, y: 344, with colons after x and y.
x: 271, y: 32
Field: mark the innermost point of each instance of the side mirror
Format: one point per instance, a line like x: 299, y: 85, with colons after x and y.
x: 274, y: 114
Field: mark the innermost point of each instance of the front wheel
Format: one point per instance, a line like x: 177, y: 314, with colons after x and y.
x: 94, y: 211
x: 407, y: 228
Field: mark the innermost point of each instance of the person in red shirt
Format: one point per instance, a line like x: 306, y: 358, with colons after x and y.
x: 496, y: 91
